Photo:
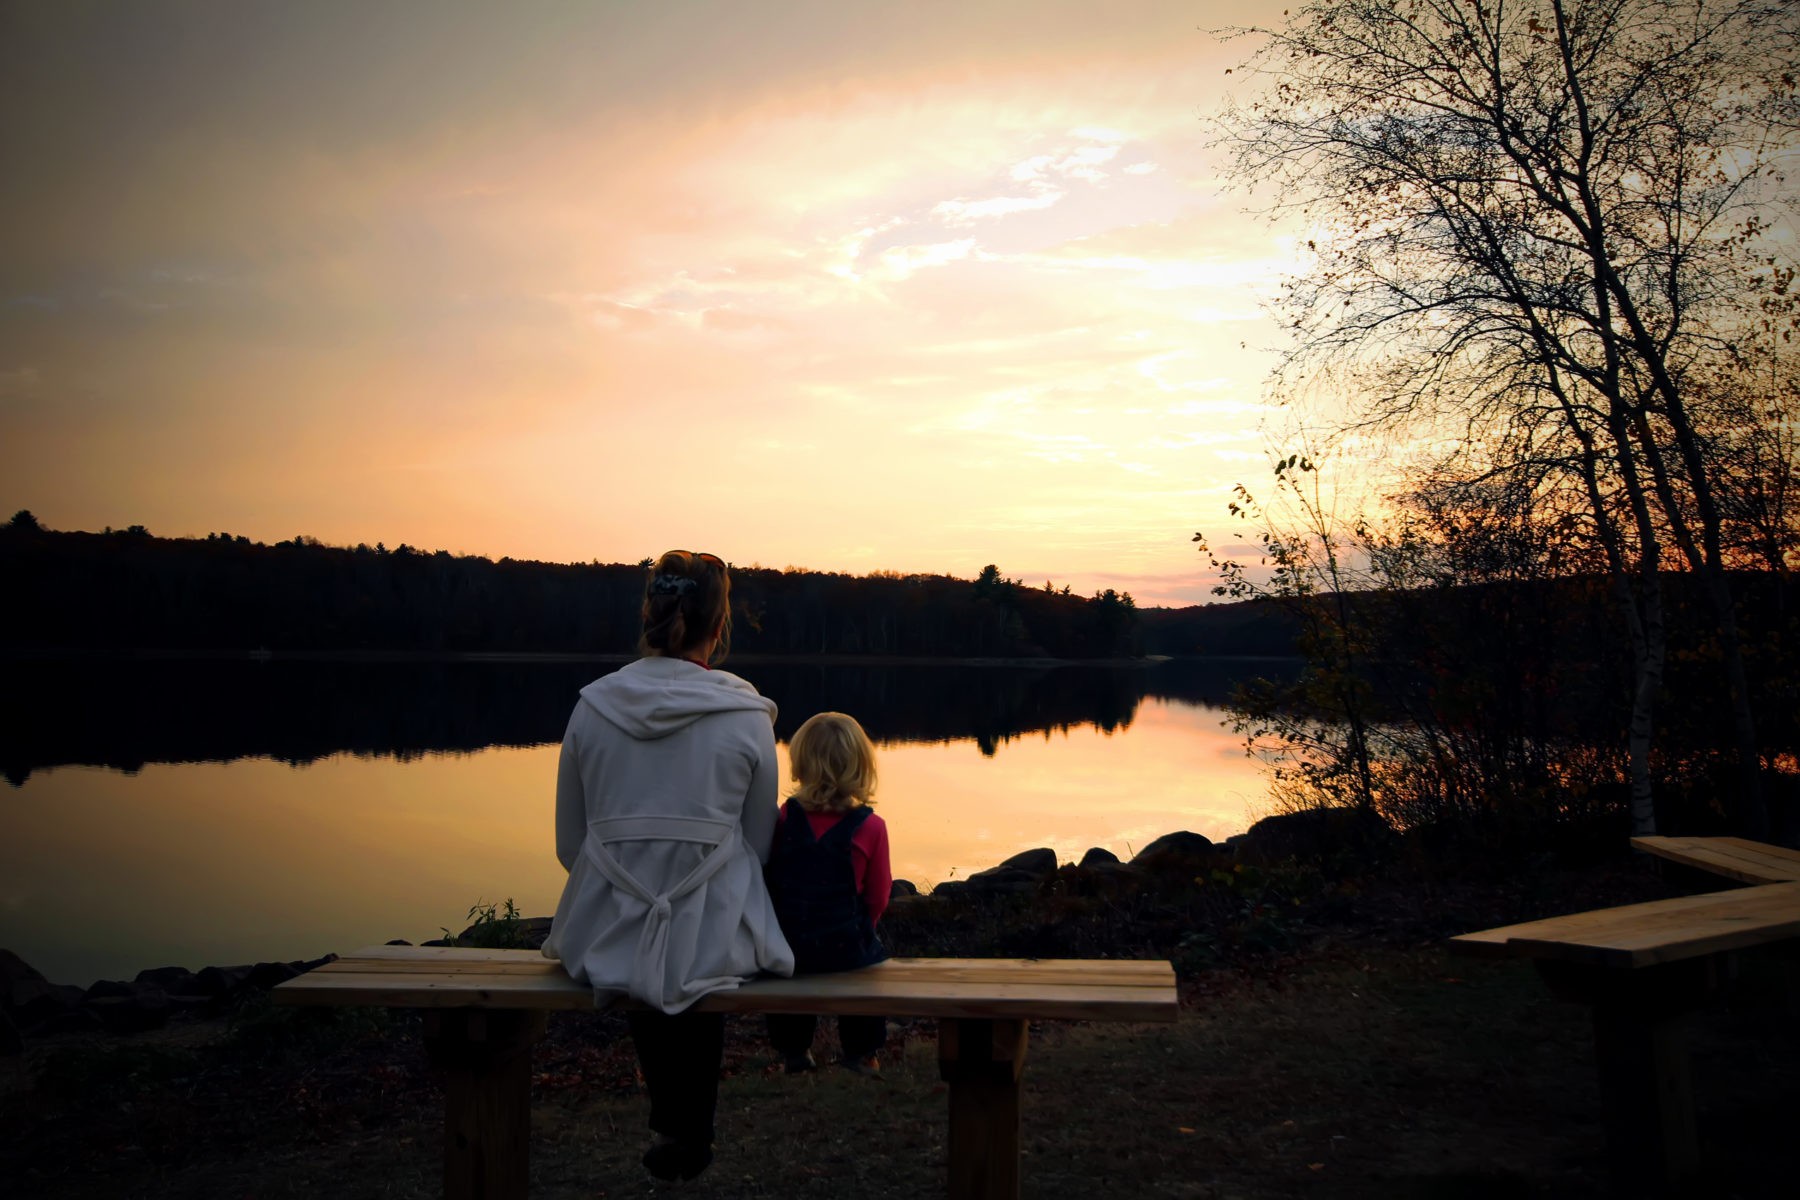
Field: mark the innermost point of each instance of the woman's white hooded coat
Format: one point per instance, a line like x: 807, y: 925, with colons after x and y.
x: 665, y: 810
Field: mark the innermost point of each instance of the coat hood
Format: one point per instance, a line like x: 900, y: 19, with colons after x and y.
x: 653, y: 697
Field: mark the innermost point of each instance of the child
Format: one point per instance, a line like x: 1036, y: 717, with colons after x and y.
x: 829, y: 877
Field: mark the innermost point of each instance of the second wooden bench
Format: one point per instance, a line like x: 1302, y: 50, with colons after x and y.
x: 1643, y: 969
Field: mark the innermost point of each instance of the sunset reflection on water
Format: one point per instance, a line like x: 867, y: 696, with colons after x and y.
x: 193, y: 864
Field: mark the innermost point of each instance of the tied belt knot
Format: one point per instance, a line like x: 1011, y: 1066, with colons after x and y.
x: 650, y: 959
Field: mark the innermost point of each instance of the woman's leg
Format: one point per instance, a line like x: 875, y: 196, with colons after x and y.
x: 680, y: 1056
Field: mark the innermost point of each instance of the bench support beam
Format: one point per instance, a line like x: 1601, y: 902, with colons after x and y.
x: 485, y: 1057
x: 982, y: 1060
x: 1640, y: 1049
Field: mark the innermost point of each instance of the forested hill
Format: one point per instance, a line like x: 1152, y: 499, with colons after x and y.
x: 128, y: 589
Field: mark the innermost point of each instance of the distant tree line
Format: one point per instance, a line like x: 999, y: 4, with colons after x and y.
x: 128, y: 589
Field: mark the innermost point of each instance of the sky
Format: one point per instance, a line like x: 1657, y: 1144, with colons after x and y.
x: 840, y: 286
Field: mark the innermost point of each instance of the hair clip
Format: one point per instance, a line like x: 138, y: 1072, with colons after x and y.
x: 671, y: 585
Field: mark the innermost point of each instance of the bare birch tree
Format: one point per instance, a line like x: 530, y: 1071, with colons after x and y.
x: 1535, y: 232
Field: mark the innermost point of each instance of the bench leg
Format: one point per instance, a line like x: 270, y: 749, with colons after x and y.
x: 1640, y: 1048
x: 981, y: 1060
x: 485, y: 1056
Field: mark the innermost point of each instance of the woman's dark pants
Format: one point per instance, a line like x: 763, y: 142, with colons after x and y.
x: 680, y: 1056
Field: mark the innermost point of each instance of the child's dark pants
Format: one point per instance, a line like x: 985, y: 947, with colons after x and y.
x: 792, y: 1034
x: 680, y: 1056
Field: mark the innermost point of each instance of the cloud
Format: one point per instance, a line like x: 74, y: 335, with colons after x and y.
x: 1083, y: 163
x: 902, y: 262
x: 965, y: 212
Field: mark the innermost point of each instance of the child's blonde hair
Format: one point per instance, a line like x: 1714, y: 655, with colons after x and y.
x: 833, y: 761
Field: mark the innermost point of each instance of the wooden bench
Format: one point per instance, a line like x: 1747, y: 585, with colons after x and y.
x: 485, y: 1008
x: 1643, y: 969
x: 1735, y: 858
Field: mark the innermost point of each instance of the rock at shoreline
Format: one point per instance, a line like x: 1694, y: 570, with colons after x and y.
x: 14, y: 970
x: 1040, y: 862
x: 36, y: 1007
x: 1180, y: 843
x: 1314, y: 835
x: 109, y: 989
x: 221, y: 981
x: 902, y: 888
x: 1099, y: 856
x: 38, y: 1000
x: 177, y: 981
x: 520, y: 933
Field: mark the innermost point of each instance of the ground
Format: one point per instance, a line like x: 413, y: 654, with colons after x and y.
x: 1362, y: 1061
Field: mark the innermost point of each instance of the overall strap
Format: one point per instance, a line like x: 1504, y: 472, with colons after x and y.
x: 847, y: 825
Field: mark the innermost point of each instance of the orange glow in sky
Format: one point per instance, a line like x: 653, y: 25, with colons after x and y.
x: 849, y: 287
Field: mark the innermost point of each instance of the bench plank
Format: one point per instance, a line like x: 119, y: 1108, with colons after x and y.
x: 1116, y: 990
x: 1640, y: 935
x: 1120, y: 972
x: 1735, y: 858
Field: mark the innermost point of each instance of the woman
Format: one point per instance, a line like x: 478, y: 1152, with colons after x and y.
x: 665, y: 811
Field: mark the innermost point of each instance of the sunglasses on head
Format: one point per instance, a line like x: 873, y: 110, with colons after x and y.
x: 710, y: 559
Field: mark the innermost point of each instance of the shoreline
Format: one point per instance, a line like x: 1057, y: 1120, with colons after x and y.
x: 262, y: 655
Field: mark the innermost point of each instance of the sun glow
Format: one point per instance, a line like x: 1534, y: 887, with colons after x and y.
x: 923, y: 296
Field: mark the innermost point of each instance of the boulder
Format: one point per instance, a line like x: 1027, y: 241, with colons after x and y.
x: 1099, y: 877
x: 1003, y: 881
x: 1039, y: 863
x: 1099, y: 856
x: 399, y: 942
x: 14, y: 970
x: 902, y: 887
x: 220, y: 981
x: 950, y: 889
x: 1181, y: 842
x: 37, y: 1000
x: 438, y: 942
x: 177, y: 981
x: 1316, y: 834
x: 1023, y: 872
x: 518, y: 933
x: 107, y: 989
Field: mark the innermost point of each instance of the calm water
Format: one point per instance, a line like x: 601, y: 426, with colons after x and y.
x: 191, y: 814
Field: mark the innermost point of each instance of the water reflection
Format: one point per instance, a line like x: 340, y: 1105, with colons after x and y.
x: 127, y: 714
x: 103, y: 873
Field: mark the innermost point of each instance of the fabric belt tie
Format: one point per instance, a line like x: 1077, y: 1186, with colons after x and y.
x: 650, y: 959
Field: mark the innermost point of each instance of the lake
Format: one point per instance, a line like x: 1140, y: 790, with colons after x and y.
x: 166, y: 812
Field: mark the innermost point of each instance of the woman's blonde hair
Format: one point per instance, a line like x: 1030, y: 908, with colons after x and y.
x: 833, y: 761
